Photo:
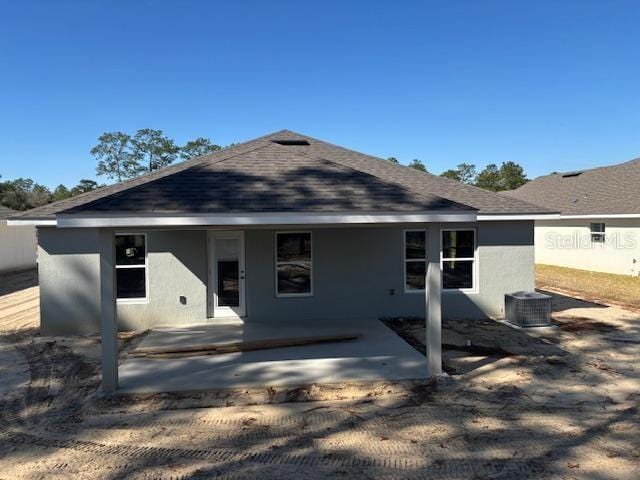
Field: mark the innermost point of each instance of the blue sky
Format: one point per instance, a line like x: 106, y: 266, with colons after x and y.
x: 553, y: 85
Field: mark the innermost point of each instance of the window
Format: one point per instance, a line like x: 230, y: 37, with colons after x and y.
x: 293, y: 264
x: 597, y: 232
x: 458, y: 259
x: 131, y: 267
x: 415, y: 260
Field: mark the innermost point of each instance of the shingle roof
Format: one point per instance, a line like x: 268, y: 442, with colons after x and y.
x: 6, y: 212
x: 270, y: 178
x: 285, y: 171
x: 611, y: 190
x: 485, y: 201
x: 50, y: 210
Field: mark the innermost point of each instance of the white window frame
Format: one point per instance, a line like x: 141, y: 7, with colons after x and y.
x: 406, y: 260
x: 474, y: 260
x: 276, y: 263
x: 144, y: 299
x: 600, y: 234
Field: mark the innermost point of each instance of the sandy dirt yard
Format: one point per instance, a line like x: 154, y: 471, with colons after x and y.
x: 19, y: 301
x: 560, y: 403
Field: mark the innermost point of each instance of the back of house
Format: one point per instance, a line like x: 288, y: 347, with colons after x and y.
x: 283, y: 228
x: 599, y: 224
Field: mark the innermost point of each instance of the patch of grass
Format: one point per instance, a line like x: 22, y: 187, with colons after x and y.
x: 606, y: 287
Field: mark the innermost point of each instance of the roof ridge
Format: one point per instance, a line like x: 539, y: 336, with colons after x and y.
x: 269, y: 144
x: 422, y: 185
x: 308, y: 154
x: 452, y: 182
x: 146, y: 178
x: 405, y: 187
x: 609, y: 189
x: 379, y: 159
x: 136, y: 187
x: 592, y: 169
x: 484, y: 190
x: 612, y: 166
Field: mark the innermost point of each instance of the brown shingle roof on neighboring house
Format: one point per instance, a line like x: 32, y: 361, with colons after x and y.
x: 285, y: 171
x: 611, y: 190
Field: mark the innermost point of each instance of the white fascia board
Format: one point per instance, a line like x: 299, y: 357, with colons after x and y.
x: 33, y: 222
x: 603, y: 215
x: 69, y: 221
x: 524, y: 216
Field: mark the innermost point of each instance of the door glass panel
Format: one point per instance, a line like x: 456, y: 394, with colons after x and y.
x: 228, y: 268
x: 228, y: 286
x: 227, y: 248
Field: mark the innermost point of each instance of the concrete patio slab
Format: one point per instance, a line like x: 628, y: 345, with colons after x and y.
x: 379, y: 354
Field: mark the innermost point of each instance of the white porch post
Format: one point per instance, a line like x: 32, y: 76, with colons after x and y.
x: 433, y: 293
x: 108, y: 315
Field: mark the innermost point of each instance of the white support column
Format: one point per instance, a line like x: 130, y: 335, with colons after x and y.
x: 108, y: 314
x: 433, y: 293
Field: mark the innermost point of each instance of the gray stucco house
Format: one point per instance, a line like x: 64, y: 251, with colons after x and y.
x: 281, y: 227
x: 17, y: 244
x: 598, y: 226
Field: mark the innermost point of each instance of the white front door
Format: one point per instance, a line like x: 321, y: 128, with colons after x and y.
x: 226, y: 257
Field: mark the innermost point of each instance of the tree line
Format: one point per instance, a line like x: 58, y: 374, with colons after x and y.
x: 121, y: 156
x: 508, y: 176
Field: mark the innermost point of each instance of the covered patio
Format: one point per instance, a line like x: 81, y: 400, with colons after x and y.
x: 377, y: 354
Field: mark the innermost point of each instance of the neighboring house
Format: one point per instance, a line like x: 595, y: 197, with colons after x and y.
x: 281, y: 228
x: 17, y: 244
x: 598, y: 227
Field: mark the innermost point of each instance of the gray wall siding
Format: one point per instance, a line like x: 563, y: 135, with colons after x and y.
x: 177, y: 266
x: 68, y: 273
x: 69, y: 281
x: 354, y: 272
x: 506, y: 257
